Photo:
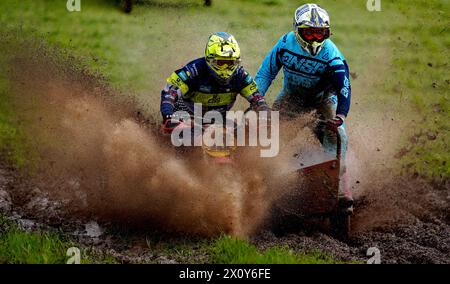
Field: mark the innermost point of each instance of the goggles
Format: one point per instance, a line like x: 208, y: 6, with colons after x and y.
x: 223, y: 64
x: 314, y: 34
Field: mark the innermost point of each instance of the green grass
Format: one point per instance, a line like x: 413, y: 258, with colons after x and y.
x: 12, y: 140
x: 18, y: 246
x: 33, y: 248
x: 390, y: 51
x: 420, y: 59
x: 229, y: 250
x: 41, y: 247
x: 400, y: 56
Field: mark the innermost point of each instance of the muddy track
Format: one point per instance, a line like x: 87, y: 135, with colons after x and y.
x: 417, y: 239
x: 99, y: 169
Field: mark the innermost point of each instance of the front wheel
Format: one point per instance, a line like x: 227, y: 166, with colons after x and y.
x: 340, y: 225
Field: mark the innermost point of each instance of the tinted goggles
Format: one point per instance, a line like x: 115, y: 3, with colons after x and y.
x: 314, y: 34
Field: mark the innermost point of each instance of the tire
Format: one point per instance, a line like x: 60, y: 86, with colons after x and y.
x: 340, y: 225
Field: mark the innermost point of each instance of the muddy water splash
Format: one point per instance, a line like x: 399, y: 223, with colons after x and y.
x: 92, y: 150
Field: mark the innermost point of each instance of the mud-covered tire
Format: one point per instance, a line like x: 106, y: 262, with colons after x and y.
x: 340, y: 225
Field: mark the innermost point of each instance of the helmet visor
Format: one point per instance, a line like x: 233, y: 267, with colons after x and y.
x: 225, y: 64
x: 313, y: 34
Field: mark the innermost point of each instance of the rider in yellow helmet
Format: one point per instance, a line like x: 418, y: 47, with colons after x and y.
x: 214, y: 81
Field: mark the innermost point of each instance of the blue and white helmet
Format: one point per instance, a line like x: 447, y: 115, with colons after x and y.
x: 312, y: 27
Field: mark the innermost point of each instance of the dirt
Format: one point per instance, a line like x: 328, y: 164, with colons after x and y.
x: 419, y: 237
x: 105, y: 176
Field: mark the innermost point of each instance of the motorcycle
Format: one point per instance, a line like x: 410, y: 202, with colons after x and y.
x: 314, y: 195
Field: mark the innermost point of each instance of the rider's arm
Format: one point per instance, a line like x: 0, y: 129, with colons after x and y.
x: 249, y: 89
x: 340, y: 80
x: 269, y: 68
x: 176, y: 86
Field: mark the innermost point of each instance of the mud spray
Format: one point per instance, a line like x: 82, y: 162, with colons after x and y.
x: 93, y: 151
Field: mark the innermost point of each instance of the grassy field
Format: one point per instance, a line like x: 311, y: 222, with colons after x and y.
x: 228, y: 250
x: 41, y: 247
x: 399, y: 55
x: 398, y: 58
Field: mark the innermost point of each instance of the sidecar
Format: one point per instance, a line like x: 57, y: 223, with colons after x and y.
x: 313, y: 196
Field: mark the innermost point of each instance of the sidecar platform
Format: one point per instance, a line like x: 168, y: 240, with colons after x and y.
x: 316, y: 186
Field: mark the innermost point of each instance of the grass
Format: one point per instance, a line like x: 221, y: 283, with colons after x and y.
x: 40, y: 247
x: 229, y: 250
x: 12, y: 140
x: 399, y: 56
x: 18, y: 247
x: 10, y: 137
x: 401, y: 63
x: 420, y: 74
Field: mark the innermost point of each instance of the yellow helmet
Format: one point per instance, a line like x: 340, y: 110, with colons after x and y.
x: 223, y: 55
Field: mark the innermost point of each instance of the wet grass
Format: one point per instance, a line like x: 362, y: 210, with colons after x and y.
x: 18, y: 246
x: 229, y: 250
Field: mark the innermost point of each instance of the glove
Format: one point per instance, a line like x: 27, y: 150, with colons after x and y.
x: 259, y: 104
x: 166, y: 118
x: 334, y: 123
x: 169, y: 124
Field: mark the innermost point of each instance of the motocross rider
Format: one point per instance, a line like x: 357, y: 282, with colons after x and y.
x: 316, y: 77
x: 213, y: 81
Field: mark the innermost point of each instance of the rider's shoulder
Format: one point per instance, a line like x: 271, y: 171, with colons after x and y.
x: 289, y: 37
x: 331, y: 52
x: 286, y: 38
x: 195, y: 68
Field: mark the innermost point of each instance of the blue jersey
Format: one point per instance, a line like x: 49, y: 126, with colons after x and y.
x: 194, y: 83
x: 306, y: 76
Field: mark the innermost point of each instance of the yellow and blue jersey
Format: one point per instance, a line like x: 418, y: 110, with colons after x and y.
x: 306, y: 77
x: 194, y: 84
